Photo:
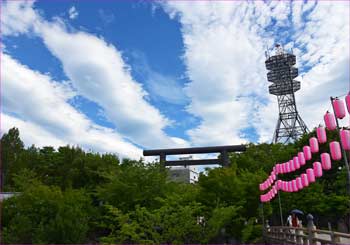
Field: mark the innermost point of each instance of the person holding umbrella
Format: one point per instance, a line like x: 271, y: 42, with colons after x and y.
x: 293, y: 219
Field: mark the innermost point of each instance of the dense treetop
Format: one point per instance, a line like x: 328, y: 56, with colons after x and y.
x: 67, y: 195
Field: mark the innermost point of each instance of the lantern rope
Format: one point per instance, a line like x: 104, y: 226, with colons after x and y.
x: 300, y: 182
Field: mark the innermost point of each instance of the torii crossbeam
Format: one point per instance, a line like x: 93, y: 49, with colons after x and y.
x: 223, y: 150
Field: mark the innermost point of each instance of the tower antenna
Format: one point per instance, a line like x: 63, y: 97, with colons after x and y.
x: 281, y: 72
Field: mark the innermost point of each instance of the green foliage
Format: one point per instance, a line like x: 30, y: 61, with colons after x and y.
x: 135, y: 184
x: 11, y: 149
x: 70, y: 196
x: 252, y: 232
x: 170, y: 224
x: 44, y: 214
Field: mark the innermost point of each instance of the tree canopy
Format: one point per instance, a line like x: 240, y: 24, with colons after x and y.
x: 67, y: 195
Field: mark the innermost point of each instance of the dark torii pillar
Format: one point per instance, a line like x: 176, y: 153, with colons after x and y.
x: 224, y: 159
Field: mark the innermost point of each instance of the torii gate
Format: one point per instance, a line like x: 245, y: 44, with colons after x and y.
x: 223, y: 150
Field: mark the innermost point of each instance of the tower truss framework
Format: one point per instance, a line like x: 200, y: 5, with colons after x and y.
x: 281, y: 72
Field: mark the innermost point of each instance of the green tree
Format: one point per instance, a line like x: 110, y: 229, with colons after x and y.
x: 11, y: 148
x: 135, y: 184
x: 43, y: 214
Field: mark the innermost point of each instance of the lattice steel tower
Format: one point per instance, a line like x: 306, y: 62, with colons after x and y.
x: 282, y: 73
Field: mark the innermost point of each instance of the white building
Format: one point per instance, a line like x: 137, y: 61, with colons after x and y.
x: 188, y: 174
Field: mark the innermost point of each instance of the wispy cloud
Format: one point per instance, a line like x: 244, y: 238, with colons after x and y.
x: 160, y: 87
x: 44, y: 116
x: 224, y: 55
x: 106, y: 16
x: 73, y: 13
x: 97, y: 72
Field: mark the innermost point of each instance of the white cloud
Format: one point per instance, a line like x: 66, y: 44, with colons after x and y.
x: 106, y: 16
x: 17, y: 17
x: 98, y: 72
x: 30, y: 133
x: 224, y: 47
x: 225, y: 63
x: 166, y: 88
x: 39, y: 107
x: 73, y: 13
x: 327, y: 49
x: 224, y: 55
x: 161, y: 87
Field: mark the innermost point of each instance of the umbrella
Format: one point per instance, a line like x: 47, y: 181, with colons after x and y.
x: 297, y: 211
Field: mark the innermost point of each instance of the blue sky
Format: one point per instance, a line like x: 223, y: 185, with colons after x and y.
x: 150, y: 42
x: 122, y: 76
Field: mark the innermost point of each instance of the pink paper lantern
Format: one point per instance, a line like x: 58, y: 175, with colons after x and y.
x: 329, y: 120
x: 326, y: 161
x: 321, y: 134
x: 273, y: 176
x: 291, y: 166
x: 287, y: 167
x: 347, y: 100
x: 335, y: 150
x: 301, y: 158
x: 286, y: 164
x: 294, y: 184
x: 280, y: 166
x: 288, y: 187
x: 345, y: 139
x: 279, y: 184
x: 339, y: 108
x: 317, y: 169
x: 313, y: 145
x: 310, y: 175
x: 304, y: 180
x: 296, y: 162
x: 307, y: 153
x: 267, y: 198
x: 299, y: 183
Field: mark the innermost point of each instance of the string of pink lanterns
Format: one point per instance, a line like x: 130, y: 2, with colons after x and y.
x: 296, y: 162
